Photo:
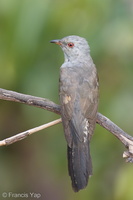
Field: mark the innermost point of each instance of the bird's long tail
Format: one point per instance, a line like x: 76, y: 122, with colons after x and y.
x: 79, y: 165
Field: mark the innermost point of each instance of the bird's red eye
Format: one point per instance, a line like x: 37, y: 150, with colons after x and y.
x: 70, y: 44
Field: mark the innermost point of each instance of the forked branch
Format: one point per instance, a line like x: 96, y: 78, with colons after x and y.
x: 46, y: 104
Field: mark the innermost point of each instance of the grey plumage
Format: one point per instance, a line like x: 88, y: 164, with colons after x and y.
x: 79, y: 102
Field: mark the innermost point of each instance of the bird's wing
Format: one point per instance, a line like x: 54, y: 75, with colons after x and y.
x: 79, y: 101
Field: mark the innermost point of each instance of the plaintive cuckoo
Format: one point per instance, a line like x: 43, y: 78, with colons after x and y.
x: 79, y: 103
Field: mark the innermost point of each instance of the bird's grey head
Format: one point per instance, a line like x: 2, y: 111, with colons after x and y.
x: 73, y: 47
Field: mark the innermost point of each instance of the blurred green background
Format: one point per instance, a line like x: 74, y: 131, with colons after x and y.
x: 30, y: 64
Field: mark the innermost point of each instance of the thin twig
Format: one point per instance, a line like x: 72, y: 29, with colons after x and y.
x: 23, y: 135
x: 46, y: 104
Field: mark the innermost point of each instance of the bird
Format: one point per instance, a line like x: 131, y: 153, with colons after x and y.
x: 79, y: 97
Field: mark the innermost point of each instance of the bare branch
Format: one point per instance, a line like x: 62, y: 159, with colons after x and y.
x: 46, y: 104
x: 23, y: 135
x: 29, y: 100
x: 126, y: 139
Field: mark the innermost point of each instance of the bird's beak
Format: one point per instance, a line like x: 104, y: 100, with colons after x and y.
x: 56, y: 42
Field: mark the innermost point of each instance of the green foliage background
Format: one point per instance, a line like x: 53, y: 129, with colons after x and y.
x: 30, y: 64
